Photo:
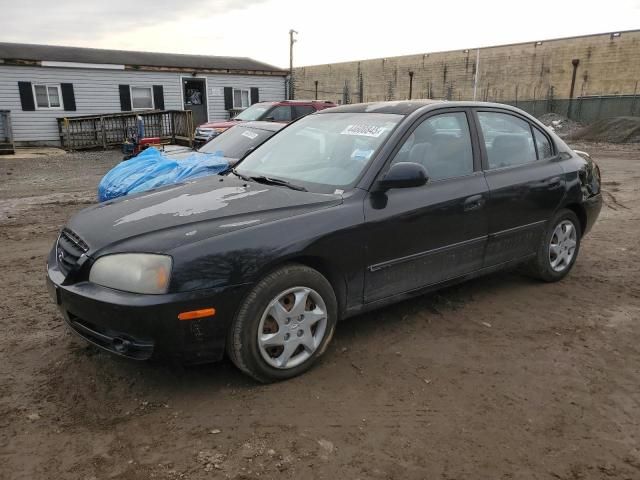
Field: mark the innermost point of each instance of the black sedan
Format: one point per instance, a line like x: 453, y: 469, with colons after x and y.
x: 342, y: 212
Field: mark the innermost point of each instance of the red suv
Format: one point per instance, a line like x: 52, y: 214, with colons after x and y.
x: 283, y: 111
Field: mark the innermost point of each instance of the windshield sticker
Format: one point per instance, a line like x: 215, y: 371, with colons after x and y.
x: 363, y: 130
x: 249, y: 134
x: 361, y: 154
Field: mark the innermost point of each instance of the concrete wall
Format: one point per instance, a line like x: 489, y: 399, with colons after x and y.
x: 608, y: 65
x: 96, y: 92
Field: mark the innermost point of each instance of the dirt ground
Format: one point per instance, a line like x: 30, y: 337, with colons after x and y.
x: 499, y: 378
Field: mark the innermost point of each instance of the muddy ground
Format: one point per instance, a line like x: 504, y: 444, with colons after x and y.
x: 499, y: 378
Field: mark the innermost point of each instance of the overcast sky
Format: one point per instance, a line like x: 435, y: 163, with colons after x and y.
x: 330, y: 30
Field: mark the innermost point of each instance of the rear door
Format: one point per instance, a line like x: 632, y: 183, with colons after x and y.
x: 425, y: 235
x: 525, y: 183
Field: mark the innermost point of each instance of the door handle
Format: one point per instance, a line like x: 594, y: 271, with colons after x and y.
x: 555, y: 181
x: 474, y: 202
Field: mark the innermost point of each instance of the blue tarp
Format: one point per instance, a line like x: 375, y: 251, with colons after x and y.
x: 151, y: 169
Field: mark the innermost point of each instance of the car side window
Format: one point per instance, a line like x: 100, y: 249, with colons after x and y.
x: 543, y: 145
x: 302, y: 110
x: 507, y: 138
x: 281, y: 113
x: 442, y: 144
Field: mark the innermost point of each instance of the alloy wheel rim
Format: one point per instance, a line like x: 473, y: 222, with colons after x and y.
x: 562, y: 247
x: 292, y: 327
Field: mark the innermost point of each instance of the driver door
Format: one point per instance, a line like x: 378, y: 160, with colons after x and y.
x: 425, y: 235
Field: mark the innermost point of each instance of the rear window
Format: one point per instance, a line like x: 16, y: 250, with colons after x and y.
x: 236, y: 141
x: 254, y: 112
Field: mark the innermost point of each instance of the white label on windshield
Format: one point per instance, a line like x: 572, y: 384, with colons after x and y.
x: 363, y: 130
x: 249, y: 134
x: 361, y: 154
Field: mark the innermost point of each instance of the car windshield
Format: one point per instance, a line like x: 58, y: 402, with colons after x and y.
x: 254, y: 112
x: 321, y: 152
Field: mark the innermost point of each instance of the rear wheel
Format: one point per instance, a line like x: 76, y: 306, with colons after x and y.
x: 558, y: 249
x: 284, y: 324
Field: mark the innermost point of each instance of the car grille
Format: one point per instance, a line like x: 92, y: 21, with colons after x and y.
x: 69, y: 249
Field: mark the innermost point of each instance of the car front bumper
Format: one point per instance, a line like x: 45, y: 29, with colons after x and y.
x: 144, y: 326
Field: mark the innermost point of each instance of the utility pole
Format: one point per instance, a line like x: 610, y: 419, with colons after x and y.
x: 477, y: 75
x: 292, y: 40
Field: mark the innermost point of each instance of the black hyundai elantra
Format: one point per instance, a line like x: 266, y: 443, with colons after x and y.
x: 341, y: 212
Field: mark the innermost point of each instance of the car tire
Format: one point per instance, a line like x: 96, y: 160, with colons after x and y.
x: 558, y: 249
x: 278, y: 332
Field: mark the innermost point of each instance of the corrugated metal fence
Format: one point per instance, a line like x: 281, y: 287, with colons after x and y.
x: 94, y: 131
x: 584, y: 109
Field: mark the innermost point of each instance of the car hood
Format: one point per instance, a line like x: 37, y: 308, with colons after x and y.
x: 184, y: 213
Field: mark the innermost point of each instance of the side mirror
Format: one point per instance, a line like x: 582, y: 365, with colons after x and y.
x: 269, y: 119
x: 403, y: 175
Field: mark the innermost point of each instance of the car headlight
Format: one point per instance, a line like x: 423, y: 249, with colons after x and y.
x: 133, y: 272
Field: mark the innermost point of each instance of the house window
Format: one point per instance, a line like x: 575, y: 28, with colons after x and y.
x: 47, y: 96
x: 240, y: 98
x: 142, y: 98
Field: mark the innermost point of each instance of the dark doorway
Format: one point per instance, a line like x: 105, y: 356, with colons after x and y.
x: 195, y: 99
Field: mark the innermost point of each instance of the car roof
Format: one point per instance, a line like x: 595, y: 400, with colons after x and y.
x: 260, y: 125
x: 298, y: 102
x: 306, y: 101
x: 406, y: 107
x: 403, y: 107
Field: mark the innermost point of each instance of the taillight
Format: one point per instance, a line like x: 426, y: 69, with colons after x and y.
x: 595, y: 178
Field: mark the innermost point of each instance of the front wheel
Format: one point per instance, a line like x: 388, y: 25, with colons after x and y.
x: 558, y: 249
x: 284, y: 324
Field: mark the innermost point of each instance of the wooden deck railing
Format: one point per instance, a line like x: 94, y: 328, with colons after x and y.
x: 95, y: 131
x: 235, y: 111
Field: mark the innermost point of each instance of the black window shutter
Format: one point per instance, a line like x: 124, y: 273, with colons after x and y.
x: 228, y: 98
x: 26, y: 96
x: 125, y: 98
x: 158, y: 97
x: 68, y: 97
x: 255, y: 95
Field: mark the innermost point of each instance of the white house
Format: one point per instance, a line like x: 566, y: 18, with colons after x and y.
x: 40, y: 83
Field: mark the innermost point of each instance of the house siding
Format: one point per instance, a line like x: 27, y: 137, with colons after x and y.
x: 96, y: 92
x: 270, y: 89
